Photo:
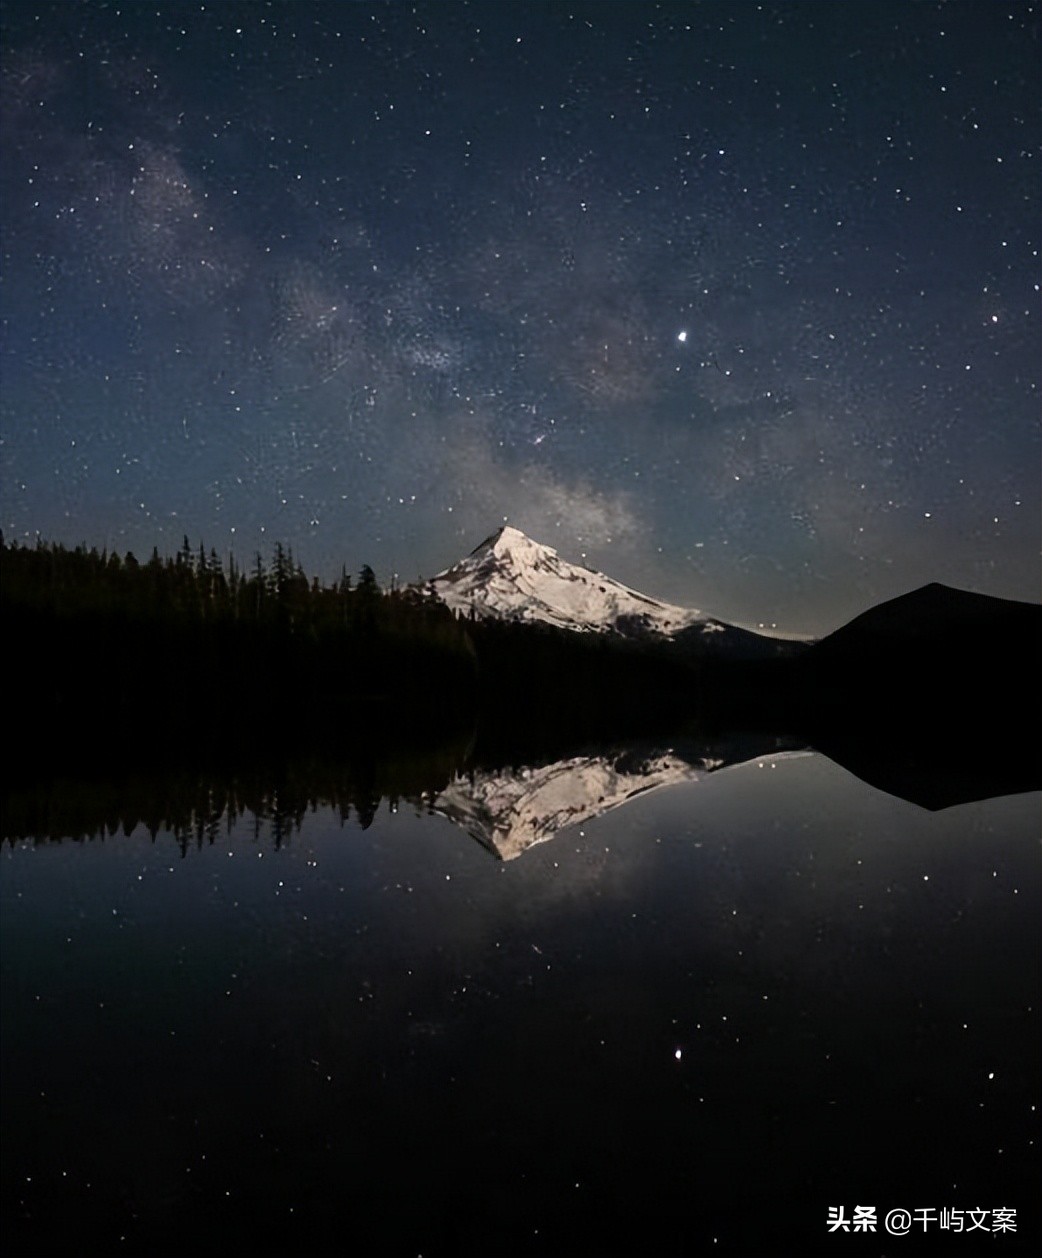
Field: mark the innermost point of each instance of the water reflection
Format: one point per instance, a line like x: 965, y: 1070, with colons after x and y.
x: 695, y: 1021
x: 510, y: 810
x: 507, y: 796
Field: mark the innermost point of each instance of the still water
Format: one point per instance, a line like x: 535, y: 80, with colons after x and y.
x: 694, y: 1023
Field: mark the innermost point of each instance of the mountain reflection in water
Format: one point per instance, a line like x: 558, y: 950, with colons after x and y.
x: 507, y: 799
x: 738, y: 988
x: 511, y: 810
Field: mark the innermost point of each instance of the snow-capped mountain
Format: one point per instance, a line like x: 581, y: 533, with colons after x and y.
x: 510, y: 576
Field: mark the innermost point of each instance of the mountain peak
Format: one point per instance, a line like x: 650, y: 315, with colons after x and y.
x: 506, y: 534
x: 509, y: 541
x: 510, y: 576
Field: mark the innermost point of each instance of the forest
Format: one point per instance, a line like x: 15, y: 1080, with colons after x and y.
x: 109, y: 656
x: 266, y: 689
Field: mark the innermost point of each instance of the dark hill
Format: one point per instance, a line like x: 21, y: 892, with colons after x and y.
x: 938, y: 684
x: 938, y: 651
x: 934, y: 614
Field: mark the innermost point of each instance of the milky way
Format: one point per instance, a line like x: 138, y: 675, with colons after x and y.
x: 738, y: 301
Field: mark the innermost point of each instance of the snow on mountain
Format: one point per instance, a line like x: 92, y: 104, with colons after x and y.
x: 512, y: 577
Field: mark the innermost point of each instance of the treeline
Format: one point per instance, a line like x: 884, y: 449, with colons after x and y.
x: 195, y: 588
x: 193, y: 647
x: 189, y: 651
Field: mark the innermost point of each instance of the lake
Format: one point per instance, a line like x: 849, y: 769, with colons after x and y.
x: 738, y: 1005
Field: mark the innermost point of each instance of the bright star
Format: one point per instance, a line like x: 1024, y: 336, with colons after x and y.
x: 682, y: 336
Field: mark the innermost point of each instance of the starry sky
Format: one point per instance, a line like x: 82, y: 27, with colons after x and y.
x: 737, y: 302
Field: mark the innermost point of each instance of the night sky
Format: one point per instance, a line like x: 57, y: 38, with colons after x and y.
x: 738, y: 301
